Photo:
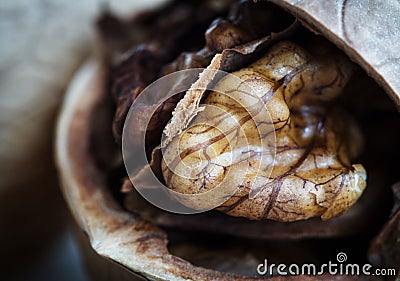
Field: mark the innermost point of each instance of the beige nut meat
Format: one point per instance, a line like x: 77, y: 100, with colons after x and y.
x: 285, y: 146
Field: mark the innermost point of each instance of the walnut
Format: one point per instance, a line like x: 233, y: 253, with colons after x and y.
x: 311, y: 174
x: 142, y: 238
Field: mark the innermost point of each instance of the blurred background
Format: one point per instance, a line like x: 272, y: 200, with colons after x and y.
x: 42, y: 44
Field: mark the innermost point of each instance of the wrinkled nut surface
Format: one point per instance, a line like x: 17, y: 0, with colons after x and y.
x: 311, y: 174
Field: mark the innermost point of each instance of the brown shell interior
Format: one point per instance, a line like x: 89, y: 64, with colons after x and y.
x: 164, y: 246
x: 102, y: 217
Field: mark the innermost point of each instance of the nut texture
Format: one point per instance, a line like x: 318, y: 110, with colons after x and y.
x: 311, y: 174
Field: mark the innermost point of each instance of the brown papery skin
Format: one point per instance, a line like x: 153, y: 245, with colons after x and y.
x: 290, y: 111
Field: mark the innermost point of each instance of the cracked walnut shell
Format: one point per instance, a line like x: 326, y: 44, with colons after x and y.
x: 143, y: 240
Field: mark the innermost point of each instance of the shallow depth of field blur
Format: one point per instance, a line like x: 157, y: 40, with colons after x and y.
x: 42, y: 44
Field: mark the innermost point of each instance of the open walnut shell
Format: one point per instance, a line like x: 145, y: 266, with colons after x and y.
x: 140, y: 246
